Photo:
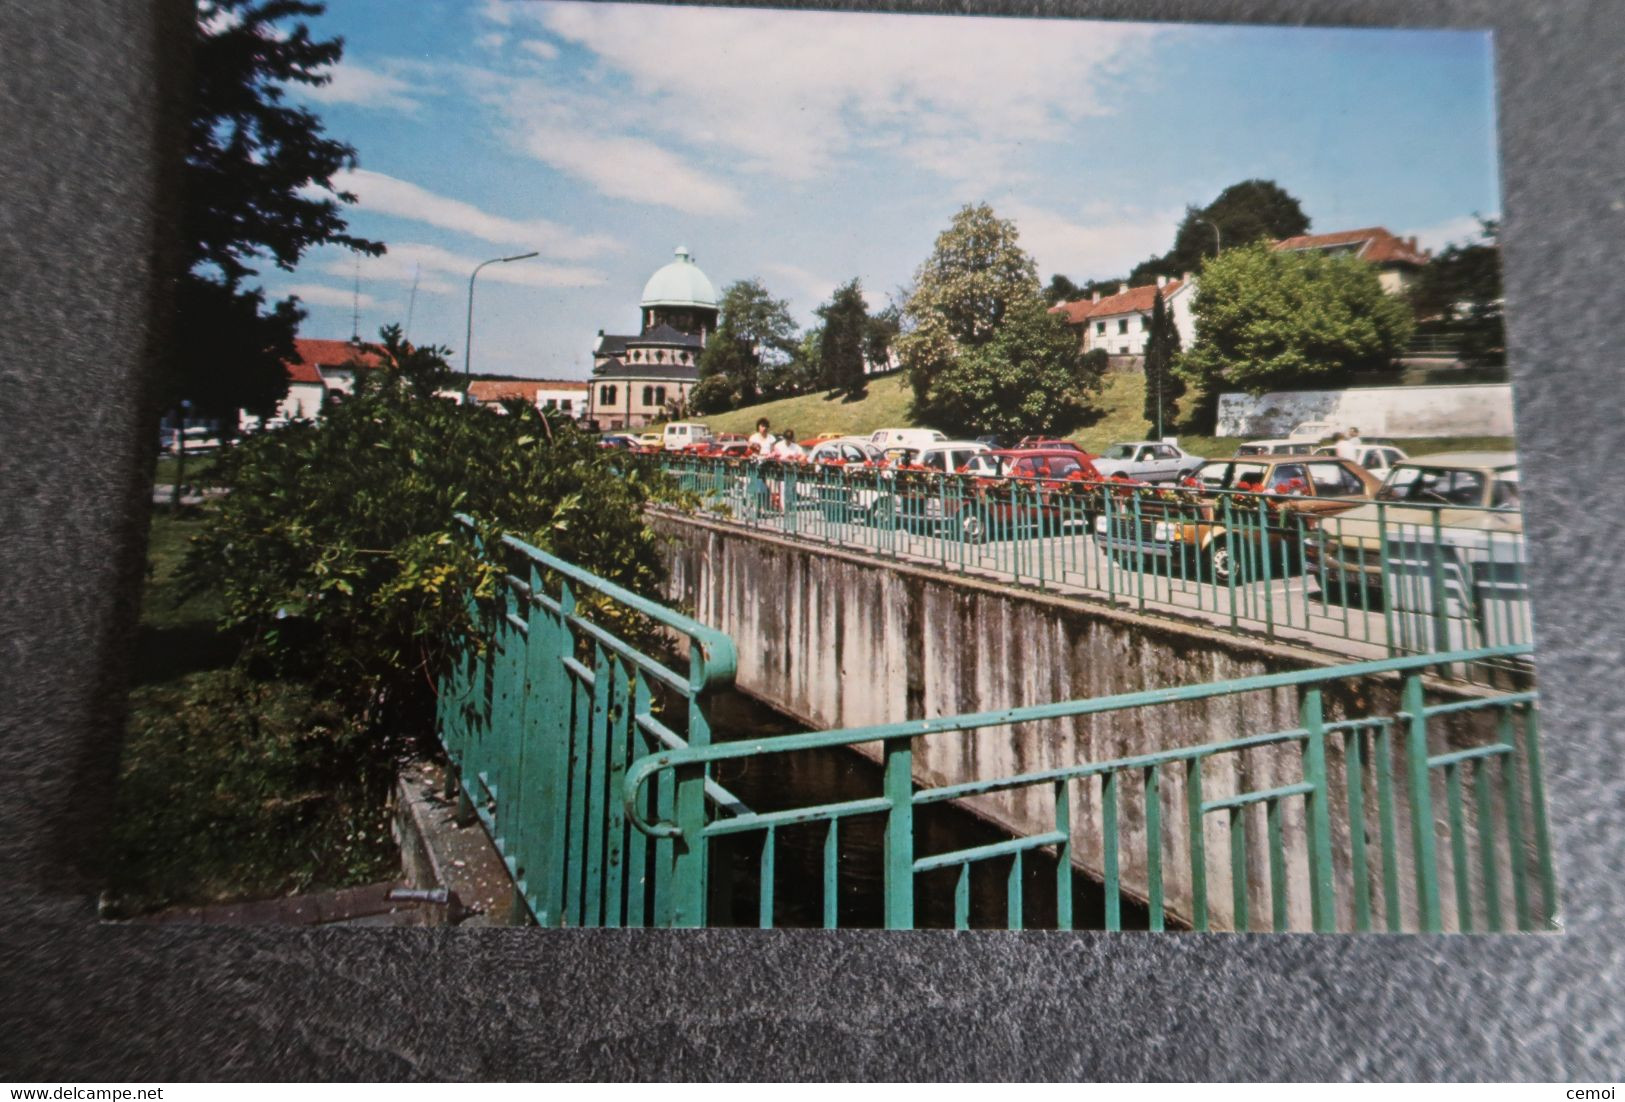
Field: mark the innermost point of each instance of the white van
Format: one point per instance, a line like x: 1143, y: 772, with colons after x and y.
x: 948, y: 457
x: 905, y: 438
x: 680, y: 434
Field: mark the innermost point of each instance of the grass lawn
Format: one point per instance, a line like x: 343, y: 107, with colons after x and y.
x: 229, y: 787
x: 1122, y: 400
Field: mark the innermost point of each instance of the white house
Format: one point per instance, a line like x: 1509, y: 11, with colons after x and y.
x: 321, y: 368
x: 565, y: 396
x: 1397, y: 260
x: 1121, y: 323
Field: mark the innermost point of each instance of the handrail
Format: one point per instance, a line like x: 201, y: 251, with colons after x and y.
x: 713, y: 660
x: 644, y: 768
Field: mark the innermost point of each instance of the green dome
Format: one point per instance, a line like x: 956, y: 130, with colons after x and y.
x: 680, y: 283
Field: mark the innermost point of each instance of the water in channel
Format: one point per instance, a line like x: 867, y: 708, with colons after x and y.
x: 779, y: 781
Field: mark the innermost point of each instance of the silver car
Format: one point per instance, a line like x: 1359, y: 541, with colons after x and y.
x: 1148, y: 461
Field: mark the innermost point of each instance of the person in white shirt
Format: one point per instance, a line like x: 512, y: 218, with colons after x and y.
x: 761, y: 441
x: 1349, y: 447
x: 787, y: 448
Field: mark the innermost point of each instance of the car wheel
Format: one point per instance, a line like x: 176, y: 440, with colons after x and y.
x: 1221, y: 564
x: 971, y: 528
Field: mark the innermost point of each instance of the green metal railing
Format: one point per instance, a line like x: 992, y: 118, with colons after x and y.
x: 540, y: 722
x: 1294, y: 845
x: 590, y: 763
x: 1418, y: 578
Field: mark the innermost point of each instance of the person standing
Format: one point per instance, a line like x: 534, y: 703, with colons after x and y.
x: 1349, y: 447
x: 761, y: 441
x: 787, y: 448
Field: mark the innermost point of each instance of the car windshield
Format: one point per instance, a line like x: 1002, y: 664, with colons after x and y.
x: 1120, y: 451
x: 1212, y: 475
x: 1437, y: 485
x: 1251, y: 449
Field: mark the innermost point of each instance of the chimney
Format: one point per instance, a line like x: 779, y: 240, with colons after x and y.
x: 1185, y: 277
x: 1096, y: 297
x: 1162, y: 281
x: 1413, y: 243
x: 1122, y: 288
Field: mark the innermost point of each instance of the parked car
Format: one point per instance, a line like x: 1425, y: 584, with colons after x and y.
x: 1277, y: 447
x: 197, y: 439
x: 823, y: 436
x: 1378, y: 458
x: 619, y: 441
x: 680, y: 434
x: 994, y: 441
x: 1464, y: 492
x: 652, y: 441
x: 905, y: 438
x: 988, y: 506
x: 1030, y: 442
x: 845, y: 451
x: 1192, y: 526
x: 1148, y: 461
x: 950, y: 456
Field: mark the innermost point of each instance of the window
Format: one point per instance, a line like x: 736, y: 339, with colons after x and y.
x: 1504, y: 495
x: 660, y: 395
x: 1334, y: 480
x: 564, y: 404
x: 1213, y: 476
x: 1145, y: 324
x: 1100, y: 329
x: 1147, y: 454
x: 1062, y: 466
x: 1165, y: 452
x: 648, y: 395
x: 606, y: 396
x: 1285, y: 475
x: 935, y: 460
x: 550, y: 404
x: 1122, y: 325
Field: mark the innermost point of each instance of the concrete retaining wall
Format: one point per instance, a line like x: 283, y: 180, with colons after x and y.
x: 1396, y: 411
x: 839, y: 640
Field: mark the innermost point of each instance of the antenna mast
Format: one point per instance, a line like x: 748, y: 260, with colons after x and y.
x: 411, y: 303
x: 355, y: 307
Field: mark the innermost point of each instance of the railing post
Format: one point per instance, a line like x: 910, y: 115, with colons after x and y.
x: 1422, y: 840
x: 898, y: 880
x: 1322, y: 899
x: 688, y: 865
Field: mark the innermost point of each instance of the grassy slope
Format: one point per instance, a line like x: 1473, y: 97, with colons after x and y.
x: 1122, y: 401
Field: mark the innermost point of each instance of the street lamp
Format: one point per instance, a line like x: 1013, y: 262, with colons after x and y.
x: 468, y: 338
x: 1218, y: 246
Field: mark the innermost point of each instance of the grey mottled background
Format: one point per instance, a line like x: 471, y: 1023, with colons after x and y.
x: 86, y: 123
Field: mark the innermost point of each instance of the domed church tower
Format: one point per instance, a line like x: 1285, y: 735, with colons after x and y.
x: 645, y: 378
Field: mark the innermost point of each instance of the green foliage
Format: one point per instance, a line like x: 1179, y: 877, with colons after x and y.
x: 1030, y: 377
x: 1253, y: 210
x: 258, y: 183
x: 842, y: 341
x: 335, y: 548
x: 1268, y: 320
x: 1060, y: 289
x: 755, y: 329
x: 1163, y: 387
x: 1458, y: 296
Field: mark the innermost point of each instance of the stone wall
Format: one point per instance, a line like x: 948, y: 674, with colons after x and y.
x: 1394, y: 411
x: 839, y: 640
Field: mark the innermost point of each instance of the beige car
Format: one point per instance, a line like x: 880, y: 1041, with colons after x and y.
x: 1464, y: 495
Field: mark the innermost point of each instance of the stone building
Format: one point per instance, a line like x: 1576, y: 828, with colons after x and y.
x: 638, y: 379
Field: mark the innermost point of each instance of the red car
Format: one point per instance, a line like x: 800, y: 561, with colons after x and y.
x: 1008, y: 492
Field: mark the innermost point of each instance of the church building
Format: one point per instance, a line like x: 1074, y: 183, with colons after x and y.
x: 637, y: 380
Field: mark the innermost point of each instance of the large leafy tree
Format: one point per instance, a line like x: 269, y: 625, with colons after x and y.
x: 1249, y: 211
x: 1029, y: 377
x: 842, y: 341
x: 1269, y: 320
x: 981, y: 350
x: 755, y: 329
x: 1458, y: 296
x: 1163, y: 387
x: 257, y: 185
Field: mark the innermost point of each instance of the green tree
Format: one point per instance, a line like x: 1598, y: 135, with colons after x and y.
x: 1249, y: 211
x: 974, y: 276
x: 335, y: 549
x: 880, y: 336
x: 1268, y: 320
x: 754, y: 329
x: 257, y: 182
x: 1163, y: 387
x: 1458, y: 296
x: 1030, y: 376
x: 841, y: 344
x: 1060, y: 289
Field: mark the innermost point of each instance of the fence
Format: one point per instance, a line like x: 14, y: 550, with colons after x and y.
x: 1390, y: 579
x: 564, y: 740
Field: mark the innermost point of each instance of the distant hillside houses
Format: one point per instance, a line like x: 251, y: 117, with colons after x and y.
x: 565, y: 396
x: 1120, y: 324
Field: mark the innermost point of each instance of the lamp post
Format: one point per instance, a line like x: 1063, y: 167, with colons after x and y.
x: 468, y: 337
x: 1218, y: 244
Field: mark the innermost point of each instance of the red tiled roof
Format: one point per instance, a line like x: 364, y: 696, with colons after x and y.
x: 1376, y: 245
x: 1135, y: 300
x: 317, y: 354
x: 495, y: 390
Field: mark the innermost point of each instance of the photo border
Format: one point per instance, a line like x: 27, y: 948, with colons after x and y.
x: 88, y: 160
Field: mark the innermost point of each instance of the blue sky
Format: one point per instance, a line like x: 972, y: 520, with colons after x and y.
x: 805, y: 148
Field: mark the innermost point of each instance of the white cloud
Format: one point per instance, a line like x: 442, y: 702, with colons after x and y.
x: 788, y: 93
x: 491, y: 41
x: 1464, y: 230
x: 630, y: 168
x: 387, y: 195
x: 541, y: 47
x: 353, y: 83
x: 440, y: 271
x: 322, y: 295
x: 805, y: 287
x: 1096, y: 241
